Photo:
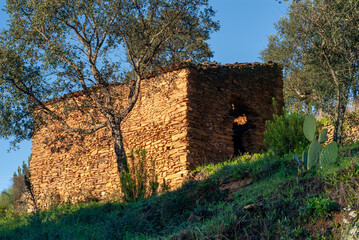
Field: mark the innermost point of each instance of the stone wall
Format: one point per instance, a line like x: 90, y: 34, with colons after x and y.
x: 350, y: 134
x: 227, y: 99
x: 182, y: 118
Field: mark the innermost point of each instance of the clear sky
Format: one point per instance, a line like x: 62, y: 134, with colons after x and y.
x: 245, y: 27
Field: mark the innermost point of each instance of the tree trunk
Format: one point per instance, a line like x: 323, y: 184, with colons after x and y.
x: 355, y: 100
x: 119, y: 149
x: 339, y: 118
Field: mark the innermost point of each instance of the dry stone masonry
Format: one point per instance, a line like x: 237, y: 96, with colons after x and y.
x: 189, y: 116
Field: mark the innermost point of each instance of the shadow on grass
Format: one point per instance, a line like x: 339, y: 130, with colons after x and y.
x: 148, y: 217
x: 274, y: 203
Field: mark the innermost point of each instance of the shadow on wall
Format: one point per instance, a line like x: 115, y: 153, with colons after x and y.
x: 241, y: 125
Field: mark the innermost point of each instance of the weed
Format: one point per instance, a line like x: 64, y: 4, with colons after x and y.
x: 139, y: 182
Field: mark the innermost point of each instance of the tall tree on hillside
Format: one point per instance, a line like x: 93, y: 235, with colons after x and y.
x: 56, y: 47
x: 318, y: 45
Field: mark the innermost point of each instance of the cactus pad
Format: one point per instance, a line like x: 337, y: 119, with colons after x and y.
x: 323, y: 135
x: 313, y: 154
x: 296, y: 159
x: 305, y: 160
x: 328, y: 155
x: 309, y: 126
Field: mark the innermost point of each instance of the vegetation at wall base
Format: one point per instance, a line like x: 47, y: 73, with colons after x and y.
x: 285, y: 133
x: 248, y: 197
x: 141, y: 180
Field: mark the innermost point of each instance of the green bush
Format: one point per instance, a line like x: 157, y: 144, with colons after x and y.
x: 18, y: 179
x: 351, y: 119
x: 7, y: 201
x: 140, y: 181
x: 13, y: 199
x: 285, y: 133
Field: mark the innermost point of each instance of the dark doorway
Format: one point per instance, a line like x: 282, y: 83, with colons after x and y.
x: 241, y: 125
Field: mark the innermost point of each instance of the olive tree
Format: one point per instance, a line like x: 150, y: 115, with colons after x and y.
x: 57, y: 47
x: 318, y: 45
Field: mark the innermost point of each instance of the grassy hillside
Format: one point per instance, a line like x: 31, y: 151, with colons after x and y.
x: 250, y: 197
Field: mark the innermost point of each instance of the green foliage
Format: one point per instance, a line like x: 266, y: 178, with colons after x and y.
x: 316, y: 57
x: 140, y: 181
x: 319, y: 207
x: 317, y: 66
x: 324, y: 121
x: 164, y: 186
x: 285, y: 133
x: 350, y: 150
x: 12, y: 200
x: 351, y: 122
x: 7, y: 201
x: 19, y: 183
x: 351, y: 119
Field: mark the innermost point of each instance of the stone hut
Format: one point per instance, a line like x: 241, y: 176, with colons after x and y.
x: 183, y: 118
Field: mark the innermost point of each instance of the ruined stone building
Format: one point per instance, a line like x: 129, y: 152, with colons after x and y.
x: 183, y: 118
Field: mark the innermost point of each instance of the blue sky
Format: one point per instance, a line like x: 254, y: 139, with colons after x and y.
x: 245, y: 27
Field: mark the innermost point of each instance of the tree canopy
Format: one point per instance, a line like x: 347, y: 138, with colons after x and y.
x: 57, y: 47
x: 318, y: 45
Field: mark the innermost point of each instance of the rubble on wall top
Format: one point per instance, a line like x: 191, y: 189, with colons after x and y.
x: 182, y: 65
x: 235, y: 65
x: 206, y: 65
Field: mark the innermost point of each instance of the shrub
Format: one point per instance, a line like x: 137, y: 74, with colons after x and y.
x: 285, y: 133
x: 6, y: 201
x: 140, y: 181
x: 351, y: 119
x: 318, y: 207
x: 18, y: 179
x: 14, y: 198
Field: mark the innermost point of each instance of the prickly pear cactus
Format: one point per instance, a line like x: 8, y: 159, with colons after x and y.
x: 328, y: 155
x: 309, y: 126
x: 323, y: 135
x: 313, y: 154
x: 305, y: 160
x: 296, y: 159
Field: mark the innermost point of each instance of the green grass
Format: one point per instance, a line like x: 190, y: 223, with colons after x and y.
x: 279, y: 204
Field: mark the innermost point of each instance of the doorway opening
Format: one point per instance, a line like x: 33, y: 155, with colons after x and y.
x: 241, y: 125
